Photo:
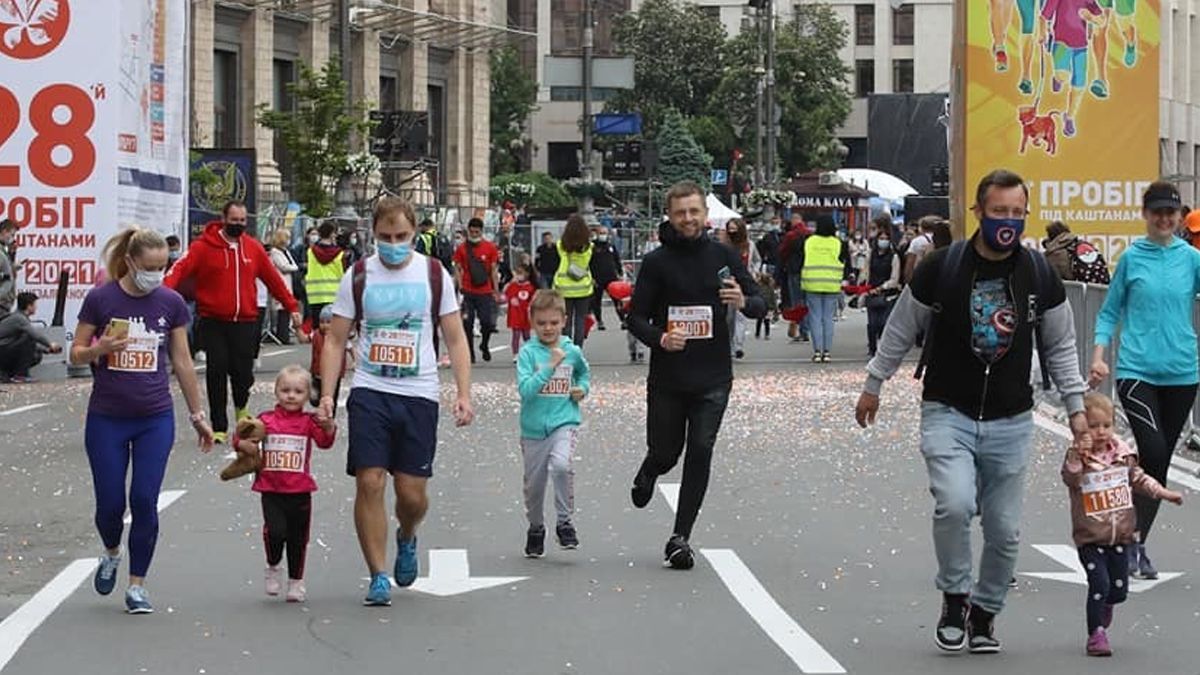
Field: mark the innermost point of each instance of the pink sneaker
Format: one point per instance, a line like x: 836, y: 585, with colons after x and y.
x: 1097, y: 644
x: 297, y: 593
x: 272, y: 582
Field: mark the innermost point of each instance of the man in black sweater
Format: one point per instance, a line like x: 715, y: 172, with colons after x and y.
x: 680, y: 289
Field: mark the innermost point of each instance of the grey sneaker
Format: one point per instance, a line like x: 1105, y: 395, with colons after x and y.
x: 106, y: 573
x: 951, y: 633
x: 137, y: 601
x: 1145, y: 568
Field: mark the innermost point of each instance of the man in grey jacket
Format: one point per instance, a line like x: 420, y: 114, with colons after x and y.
x: 978, y: 303
x: 8, y: 277
x: 21, y: 344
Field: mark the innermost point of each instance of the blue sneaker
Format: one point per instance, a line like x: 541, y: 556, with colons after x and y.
x: 106, y: 574
x: 406, y: 561
x: 137, y: 601
x: 380, y: 592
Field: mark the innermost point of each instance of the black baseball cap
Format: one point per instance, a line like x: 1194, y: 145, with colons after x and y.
x: 1161, y: 195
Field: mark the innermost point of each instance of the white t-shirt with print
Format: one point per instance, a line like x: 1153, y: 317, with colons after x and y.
x: 395, y: 346
x: 920, y: 246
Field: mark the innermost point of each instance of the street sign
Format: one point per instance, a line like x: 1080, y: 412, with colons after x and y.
x: 720, y: 176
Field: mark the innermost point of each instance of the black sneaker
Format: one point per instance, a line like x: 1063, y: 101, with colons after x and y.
x: 535, y: 542
x: 566, y: 536
x: 951, y: 633
x: 1012, y: 582
x: 678, y: 554
x: 981, y: 632
x: 643, y: 490
x: 739, y: 354
x: 485, y: 352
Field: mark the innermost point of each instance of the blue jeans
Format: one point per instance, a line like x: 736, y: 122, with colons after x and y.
x: 976, y: 467
x: 821, y: 308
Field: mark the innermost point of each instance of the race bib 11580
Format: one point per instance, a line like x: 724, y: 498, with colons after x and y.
x: 1106, y: 491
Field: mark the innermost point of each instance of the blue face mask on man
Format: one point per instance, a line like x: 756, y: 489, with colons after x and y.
x: 1002, y: 234
x: 393, y: 254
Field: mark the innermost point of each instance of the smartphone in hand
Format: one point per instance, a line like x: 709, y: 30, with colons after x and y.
x: 117, y: 328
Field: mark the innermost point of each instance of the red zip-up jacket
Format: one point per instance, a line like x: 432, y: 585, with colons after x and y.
x: 224, y: 276
x: 287, y: 451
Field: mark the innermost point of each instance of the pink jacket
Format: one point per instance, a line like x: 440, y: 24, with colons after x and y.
x: 287, y: 451
x: 1113, y: 520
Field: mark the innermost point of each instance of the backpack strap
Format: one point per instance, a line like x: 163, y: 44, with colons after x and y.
x: 358, y: 283
x: 1043, y: 287
x: 435, y: 296
x: 947, y: 275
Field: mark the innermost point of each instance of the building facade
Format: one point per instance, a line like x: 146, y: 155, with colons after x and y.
x: 426, y: 56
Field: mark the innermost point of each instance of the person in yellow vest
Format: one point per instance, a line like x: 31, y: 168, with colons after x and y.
x: 825, y: 259
x: 573, y: 279
x: 326, y: 266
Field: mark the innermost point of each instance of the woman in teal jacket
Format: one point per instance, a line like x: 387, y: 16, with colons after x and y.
x: 1151, y: 298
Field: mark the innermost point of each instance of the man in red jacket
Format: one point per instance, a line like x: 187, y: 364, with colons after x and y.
x: 224, y: 265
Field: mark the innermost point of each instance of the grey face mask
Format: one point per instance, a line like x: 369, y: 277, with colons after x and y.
x: 146, y: 280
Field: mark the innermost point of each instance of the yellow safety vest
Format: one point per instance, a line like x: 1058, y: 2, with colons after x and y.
x: 567, y: 286
x: 822, y: 271
x: 321, y: 282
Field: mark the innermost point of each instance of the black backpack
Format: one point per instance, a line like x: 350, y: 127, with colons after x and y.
x: 1043, y: 286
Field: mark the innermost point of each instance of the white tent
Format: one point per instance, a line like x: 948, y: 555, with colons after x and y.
x: 881, y: 183
x: 718, y: 213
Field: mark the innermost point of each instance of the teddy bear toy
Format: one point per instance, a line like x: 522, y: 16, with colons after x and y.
x: 249, y: 458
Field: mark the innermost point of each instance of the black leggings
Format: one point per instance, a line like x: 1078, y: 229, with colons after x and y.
x: 577, y: 313
x: 1108, y: 579
x: 286, y: 519
x: 675, y: 420
x: 231, y: 349
x: 1156, y: 416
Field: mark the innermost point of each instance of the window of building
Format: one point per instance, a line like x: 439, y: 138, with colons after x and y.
x: 576, y: 93
x: 566, y: 26
x: 284, y: 100
x: 225, y: 99
x: 902, y: 76
x: 864, y: 77
x: 437, y: 137
x: 711, y: 11
x: 388, y: 92
x: 864, y: 25
x: 902, y: 25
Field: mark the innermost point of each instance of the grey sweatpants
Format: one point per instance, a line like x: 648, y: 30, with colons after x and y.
x: 550, y: 458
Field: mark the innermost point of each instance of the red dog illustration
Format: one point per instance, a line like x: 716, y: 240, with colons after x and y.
x: 1038, y: 129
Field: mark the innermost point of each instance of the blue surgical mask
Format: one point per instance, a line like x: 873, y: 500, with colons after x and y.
x: 393, y: 254
x: 1002, y: 234
x: 883, y: 244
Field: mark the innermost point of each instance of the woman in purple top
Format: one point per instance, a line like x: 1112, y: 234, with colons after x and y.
x: 128, y: 329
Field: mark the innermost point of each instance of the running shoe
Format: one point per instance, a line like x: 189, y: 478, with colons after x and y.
x: 1097, y: 643
x: 1068, y: 127
x: 1056, y: 84
x: 485, y: 352
x: 1099, y: 89
x: 273, y: 583
x: 137, y: 601
x: 1001, y: 61
x: 1025, y: 87
x: 825, y: 357
x: 406, y: 567
x: 106, y: 574
x: 816, y: 358
x: 380, y: 592
x: 1012, y: 582
x: 220, y: 437
x: 1130, y: 55
x: 567, y: 538
x: 951, y: 633
x: 296, y: 591
x: 1145, y: 568
x: 535, y: 542
x: 739, y: 354
x: 981, y: 631
x: 678, y: 553
x: 241, y: 413
x: 22, y: 379
x: 643, y: 489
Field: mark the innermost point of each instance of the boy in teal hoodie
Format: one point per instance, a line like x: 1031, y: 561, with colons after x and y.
x: 552, y: 378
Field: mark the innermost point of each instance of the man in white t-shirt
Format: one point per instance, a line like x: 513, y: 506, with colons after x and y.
x: 919, y: 246
x: 393, y: 406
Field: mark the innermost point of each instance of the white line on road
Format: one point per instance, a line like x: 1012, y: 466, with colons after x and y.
x: 275, y: 352
x: 24, y: 408
x: 1182, y: 471
x: 808, y: 655
x: 16, y: 628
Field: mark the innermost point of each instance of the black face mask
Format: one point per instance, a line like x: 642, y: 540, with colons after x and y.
x: 234, y: 230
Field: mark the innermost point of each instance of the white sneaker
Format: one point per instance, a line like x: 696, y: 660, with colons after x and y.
x: 273, y: 583
x: 199, y: 358
x: 296, y: 591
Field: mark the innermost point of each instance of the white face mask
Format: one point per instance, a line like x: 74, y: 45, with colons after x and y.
x: 146, y: 280
x: 312, y: 239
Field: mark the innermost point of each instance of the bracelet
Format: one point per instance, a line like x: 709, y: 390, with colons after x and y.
x: 198, y: 417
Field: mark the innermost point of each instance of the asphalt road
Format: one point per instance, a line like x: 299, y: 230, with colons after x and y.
x: 815, y: 550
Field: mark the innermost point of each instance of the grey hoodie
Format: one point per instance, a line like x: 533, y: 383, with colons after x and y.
x: 8, y: 284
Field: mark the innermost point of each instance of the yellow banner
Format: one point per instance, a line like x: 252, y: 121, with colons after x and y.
x: 1065, y: 93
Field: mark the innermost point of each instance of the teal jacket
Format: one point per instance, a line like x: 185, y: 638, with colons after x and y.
x: 1151, y: 298
x: 546, y: 403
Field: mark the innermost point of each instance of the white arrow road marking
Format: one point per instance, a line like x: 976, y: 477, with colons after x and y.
x: 804, y: 651
x: 1068, y: 557
x: 450, y: 574
x: 1177, y: 473
x: 18, y: 626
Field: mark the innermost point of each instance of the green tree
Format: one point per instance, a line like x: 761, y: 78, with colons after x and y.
x: 811, y: 85
x: 513, y: 100
x: 715, y: 134
x: 680, y: 157
x: 547, y: 192
x: 676, y: 60
x: 317, y: 134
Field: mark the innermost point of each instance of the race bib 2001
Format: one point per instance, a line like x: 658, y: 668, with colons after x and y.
x: 282, y: 452
x: 559, y: 385
x: 696, y: 321
x: 1106, y: 491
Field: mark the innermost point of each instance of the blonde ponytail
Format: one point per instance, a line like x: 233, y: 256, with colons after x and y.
x: 129, y: 243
